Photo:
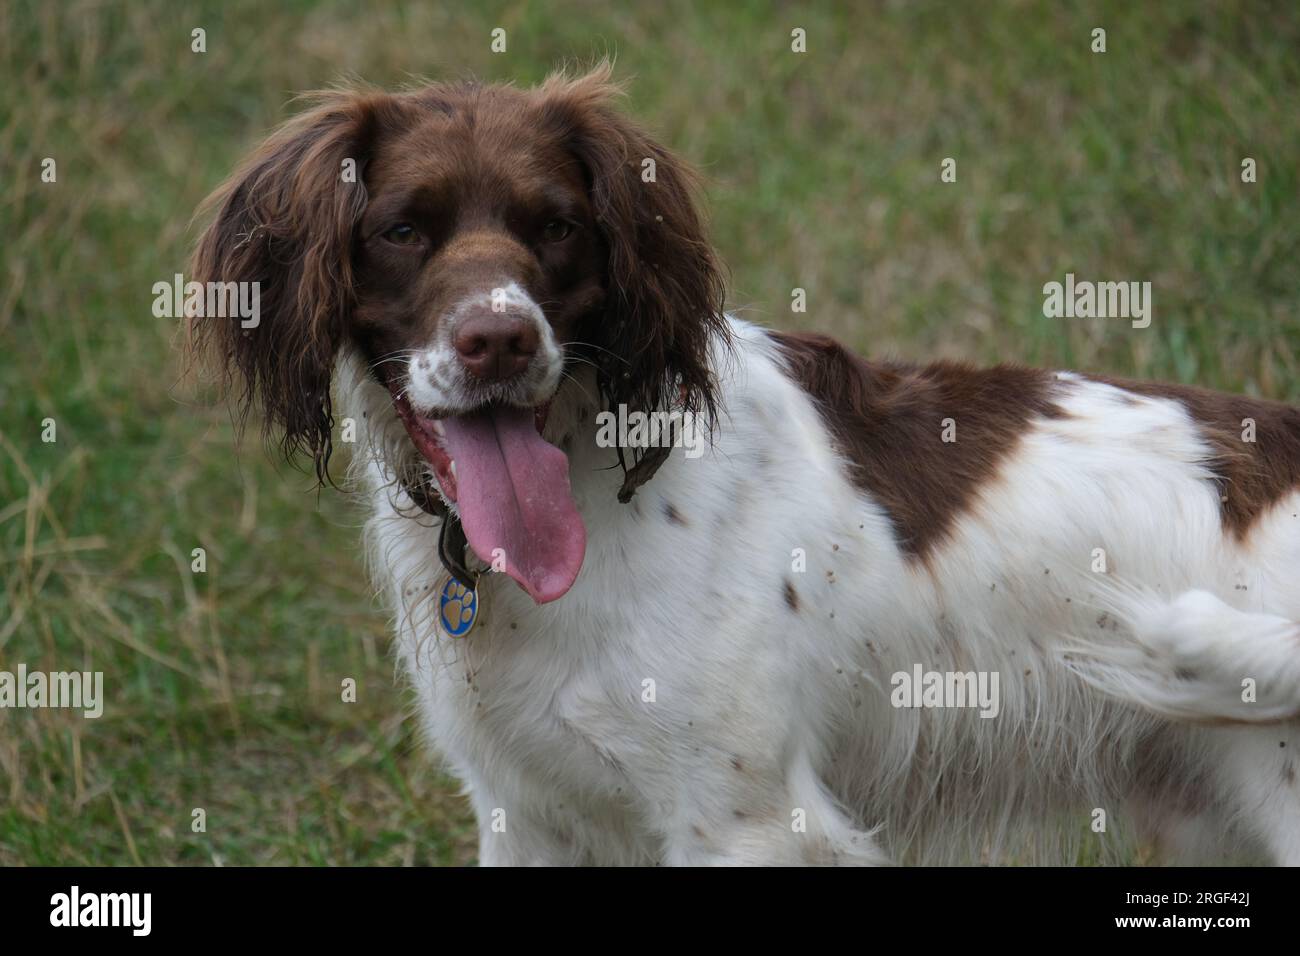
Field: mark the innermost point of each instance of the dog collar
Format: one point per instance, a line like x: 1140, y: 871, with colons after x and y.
x: 452, y: 543
x: 458, y: 598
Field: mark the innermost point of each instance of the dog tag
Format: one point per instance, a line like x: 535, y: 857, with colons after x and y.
x: 457, y: 608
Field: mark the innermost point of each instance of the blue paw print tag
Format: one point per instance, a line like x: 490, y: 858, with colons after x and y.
x: 457, y: 608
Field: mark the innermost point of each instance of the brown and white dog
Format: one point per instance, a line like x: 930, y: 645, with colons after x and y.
x: 879, y: 613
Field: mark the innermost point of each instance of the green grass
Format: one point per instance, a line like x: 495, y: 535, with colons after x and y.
x: 823, y: 173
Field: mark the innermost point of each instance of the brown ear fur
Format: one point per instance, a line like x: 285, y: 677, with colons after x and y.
x: 285, y: 219
x: 665, y: 297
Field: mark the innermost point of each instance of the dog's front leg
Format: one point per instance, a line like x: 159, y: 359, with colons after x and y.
x: 515, y: 838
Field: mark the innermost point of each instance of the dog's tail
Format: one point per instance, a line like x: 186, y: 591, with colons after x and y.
x: 1196, y: 658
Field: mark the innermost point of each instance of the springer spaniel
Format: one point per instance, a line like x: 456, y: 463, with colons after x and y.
x: 831, y: 610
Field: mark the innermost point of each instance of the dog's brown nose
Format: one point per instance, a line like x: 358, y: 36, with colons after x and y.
x: 496, y: 347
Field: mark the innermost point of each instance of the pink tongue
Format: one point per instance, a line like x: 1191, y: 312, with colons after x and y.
x: 512, y: 488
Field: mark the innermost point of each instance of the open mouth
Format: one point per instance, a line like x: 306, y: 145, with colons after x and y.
x: 511, y: 489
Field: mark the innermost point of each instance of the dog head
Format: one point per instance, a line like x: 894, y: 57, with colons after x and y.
x: 471, y: 243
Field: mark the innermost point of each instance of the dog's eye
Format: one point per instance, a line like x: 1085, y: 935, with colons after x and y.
x: 403, y: 234
x: 556, y: 230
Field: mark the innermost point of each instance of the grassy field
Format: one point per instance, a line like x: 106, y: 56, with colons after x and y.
x: 823, y: 173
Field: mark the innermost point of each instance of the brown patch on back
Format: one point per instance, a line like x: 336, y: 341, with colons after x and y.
x: 886, y: 418
x: 1252, y: 476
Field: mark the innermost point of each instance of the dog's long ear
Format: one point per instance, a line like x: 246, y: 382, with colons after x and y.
x: 664, y: 301
x: 285, y: 221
